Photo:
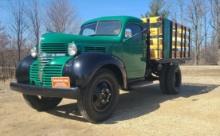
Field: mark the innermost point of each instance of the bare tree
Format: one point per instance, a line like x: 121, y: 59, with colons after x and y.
x: 205, y: 31
x: 157, y: 8
x: 19, y: 25
x: 215, y: 23
x: 61, y: 16
x: 3, y: 37
x: 215, y: 11
x: 33, y: 15
x: 196, y: 14
x: 4, y: 40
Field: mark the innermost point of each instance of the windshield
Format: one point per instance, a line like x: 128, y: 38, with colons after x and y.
x: 101, y: 28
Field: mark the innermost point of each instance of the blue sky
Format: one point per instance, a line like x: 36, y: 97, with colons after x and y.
x: 88, y: 9
x: 94, y: 8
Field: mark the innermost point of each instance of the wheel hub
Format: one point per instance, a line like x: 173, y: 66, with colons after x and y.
x: 105, y: 96
x: 102, y: 96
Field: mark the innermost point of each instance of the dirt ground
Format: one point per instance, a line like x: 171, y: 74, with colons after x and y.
x: 143, y: 112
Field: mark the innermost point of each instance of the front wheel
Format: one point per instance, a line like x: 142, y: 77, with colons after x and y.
x: 40, y: 103
x: 98, y: 100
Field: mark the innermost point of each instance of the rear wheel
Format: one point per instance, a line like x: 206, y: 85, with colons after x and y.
x: 40, y: 103
x: 174, y: 79
x: 98, y: 100
x: 170, y: 79
x: 163, y: 80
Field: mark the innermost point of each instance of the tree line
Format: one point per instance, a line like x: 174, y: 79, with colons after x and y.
x: 28, y: 20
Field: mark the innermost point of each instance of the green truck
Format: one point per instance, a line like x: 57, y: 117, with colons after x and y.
x: 109, y: 54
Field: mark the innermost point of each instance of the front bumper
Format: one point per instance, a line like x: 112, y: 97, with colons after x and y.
x: 71, y: 93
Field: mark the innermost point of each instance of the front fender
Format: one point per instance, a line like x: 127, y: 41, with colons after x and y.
x: 22, y: 69
x: 82, y: 68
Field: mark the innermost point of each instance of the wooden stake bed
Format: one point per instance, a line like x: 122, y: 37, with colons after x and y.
x: 168, y: 40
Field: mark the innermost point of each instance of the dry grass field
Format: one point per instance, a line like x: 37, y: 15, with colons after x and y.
x: 143, y: 112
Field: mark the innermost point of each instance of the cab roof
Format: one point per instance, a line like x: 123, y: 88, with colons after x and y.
x: 120, y: 18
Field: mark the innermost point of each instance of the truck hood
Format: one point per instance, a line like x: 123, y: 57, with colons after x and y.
x: 78, y: 39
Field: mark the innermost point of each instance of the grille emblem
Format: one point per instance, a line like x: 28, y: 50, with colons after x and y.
x: 40, y: 75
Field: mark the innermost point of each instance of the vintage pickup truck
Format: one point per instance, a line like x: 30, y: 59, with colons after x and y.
x: 109, y: 54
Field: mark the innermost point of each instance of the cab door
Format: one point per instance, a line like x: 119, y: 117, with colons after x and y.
x: 134, y: 50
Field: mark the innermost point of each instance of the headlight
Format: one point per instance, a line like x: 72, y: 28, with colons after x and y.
x: 72, y: 49
x: 34, y: 52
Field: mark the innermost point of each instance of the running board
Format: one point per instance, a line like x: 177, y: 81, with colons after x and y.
x: 138, y: 84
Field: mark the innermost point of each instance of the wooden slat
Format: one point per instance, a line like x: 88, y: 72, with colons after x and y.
x: 189, y: 50
x: 184, y: 42
x: 181, y: 43
x: 175, y: 39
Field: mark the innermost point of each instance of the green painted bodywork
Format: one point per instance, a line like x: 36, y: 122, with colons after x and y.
x: 130, y: 52
x: 167, y: 28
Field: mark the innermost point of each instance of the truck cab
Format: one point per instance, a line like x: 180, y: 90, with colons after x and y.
x: 129, y: 39
x: 108, y: 54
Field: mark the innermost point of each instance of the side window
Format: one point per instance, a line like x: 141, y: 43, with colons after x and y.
x: 135, y: 31
x: 88, y: 29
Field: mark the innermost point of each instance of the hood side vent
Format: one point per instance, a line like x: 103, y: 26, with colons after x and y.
x: 94, y: 49
x: 54, y: 48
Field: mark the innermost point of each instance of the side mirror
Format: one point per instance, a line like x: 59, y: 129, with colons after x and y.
x: 128, y: 33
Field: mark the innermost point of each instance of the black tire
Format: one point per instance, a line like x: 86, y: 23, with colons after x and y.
x: 41, y: 103
x: 98, y: 100
x: 163, y: 79
x: 174, y: 79
x: 170, y: 79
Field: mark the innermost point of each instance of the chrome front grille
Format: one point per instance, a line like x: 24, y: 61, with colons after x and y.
x: 50, y: 71
x: 42, y: 70
x: 43, y: 60
x: 48, y: 51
